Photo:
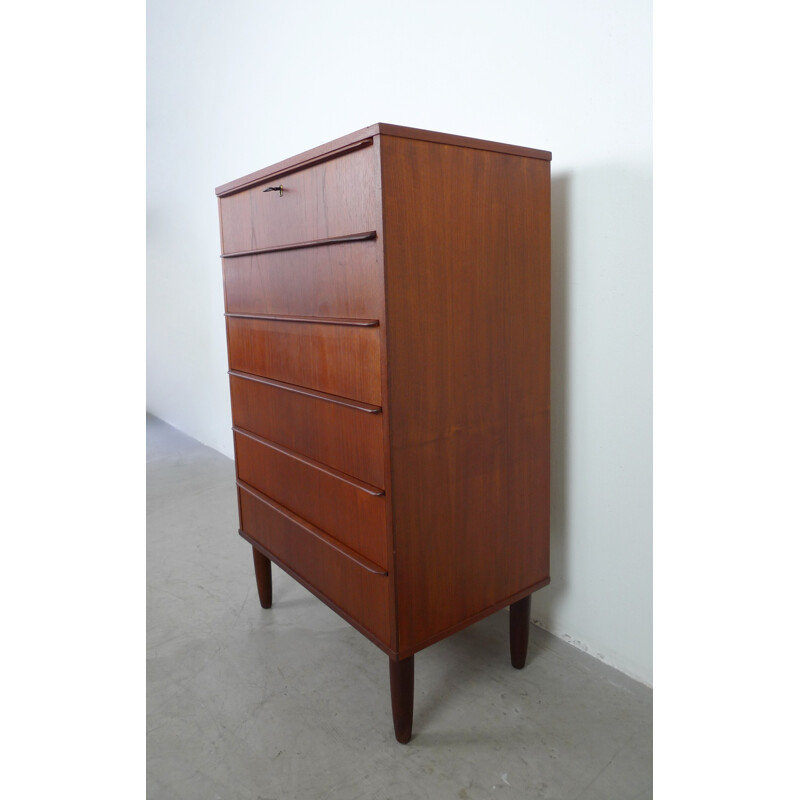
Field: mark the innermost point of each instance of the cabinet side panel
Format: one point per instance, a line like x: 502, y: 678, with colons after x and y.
x: 467, y: 262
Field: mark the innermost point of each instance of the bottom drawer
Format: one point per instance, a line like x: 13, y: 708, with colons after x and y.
x: 340, y: 577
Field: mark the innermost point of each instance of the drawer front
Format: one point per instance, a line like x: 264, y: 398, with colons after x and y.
x: 346, y: 438
x: 352, y: 512
x: 361, y: 594
x: 342, y: 280
x: 337, y: 359
x: 334, y: 198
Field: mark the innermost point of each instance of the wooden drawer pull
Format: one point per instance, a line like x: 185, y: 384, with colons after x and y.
x: 290, y: 387
x: 342, y: 549
x: 355, y: 237
x: 318, y: 465
x: 357, y: 323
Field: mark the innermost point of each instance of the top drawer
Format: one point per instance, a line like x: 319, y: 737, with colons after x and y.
x: 333, y: 198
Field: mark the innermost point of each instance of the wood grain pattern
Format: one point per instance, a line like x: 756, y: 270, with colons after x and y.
x: 359, y: 138
x: 340, y: 360
x: 391, y: 394
x: 338, y: 281
x: 350, y: 511
x: 312, y: 530
x: 366, y: 236
x: 333, y: 198
x: 467, y: 283
x: 298, y: 161
x: 343, y: 437
x: 454, y: 140
x: 361, y: 594
x: 465, y: 622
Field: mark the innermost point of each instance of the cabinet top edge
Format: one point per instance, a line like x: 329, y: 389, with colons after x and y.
x: 370, y: 131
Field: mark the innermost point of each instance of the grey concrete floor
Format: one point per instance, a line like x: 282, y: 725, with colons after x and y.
x: 294, y: 703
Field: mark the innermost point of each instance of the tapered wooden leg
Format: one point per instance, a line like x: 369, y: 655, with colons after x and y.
x: 519, y: 626
x: 263, y: 578
x: 401, y: 679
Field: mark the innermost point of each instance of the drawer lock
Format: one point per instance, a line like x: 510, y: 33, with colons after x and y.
x: 275, y: 189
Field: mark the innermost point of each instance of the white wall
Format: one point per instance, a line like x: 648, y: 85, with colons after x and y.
x: 234, y: 86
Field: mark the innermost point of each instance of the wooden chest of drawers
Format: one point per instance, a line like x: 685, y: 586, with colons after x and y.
x: 387, y: 301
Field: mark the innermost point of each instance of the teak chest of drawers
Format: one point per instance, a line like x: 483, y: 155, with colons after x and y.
x: 387, y: 301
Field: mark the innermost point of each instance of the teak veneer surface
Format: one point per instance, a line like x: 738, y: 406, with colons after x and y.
x: 363, y: 137
x: 388, y: 322
x: 327, y: 570
x: 339, y: 360
x: 349, y: 510
x: 346, y: 437
x: 469, y: 397
x: 333, y: 198
x: 342, y: 281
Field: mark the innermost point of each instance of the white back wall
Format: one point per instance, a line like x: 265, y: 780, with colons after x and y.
x: 235, y: 86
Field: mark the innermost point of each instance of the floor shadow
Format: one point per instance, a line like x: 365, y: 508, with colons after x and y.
x: 601, y: 399
x: 559, y: 384
x: 473, y: 659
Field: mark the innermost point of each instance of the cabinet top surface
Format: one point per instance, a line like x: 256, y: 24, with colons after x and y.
x: 346, y: 142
